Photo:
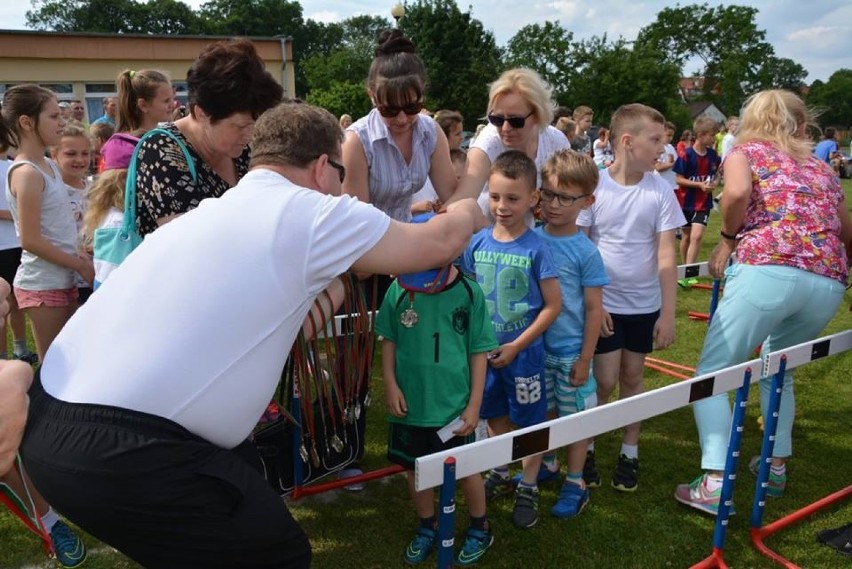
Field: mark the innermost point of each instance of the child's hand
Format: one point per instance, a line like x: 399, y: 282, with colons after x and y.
x: 86, y: 268
x: 579, y: 373
x: 470, y: 416
x: 607, y: 329
x: 503, y: 356
x: 664, y: 332
x: 396, y: 400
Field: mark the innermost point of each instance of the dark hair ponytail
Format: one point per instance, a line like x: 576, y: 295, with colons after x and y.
x: 397, y: 71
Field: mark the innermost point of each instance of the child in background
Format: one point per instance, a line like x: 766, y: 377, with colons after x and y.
x: 666, y: 159
x: 602, y: 149
x: 632, y: 222
x: 99, y: 133
x: 38, y: 200
x: 436, y: 333
x: 582, y: 116
x: 695, y: 173
x: 426, y: 200
x: 686, y: 140
x: 73, y: 155
x: 516, y: 273
x: 568, y: 184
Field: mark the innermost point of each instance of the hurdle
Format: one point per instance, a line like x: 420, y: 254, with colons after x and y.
x: 777, y: 365
x: 516, y: 445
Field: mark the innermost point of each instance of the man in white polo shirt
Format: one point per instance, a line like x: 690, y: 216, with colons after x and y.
x: 139, y: 421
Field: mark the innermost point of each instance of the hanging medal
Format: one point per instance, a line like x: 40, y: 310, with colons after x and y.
x: 409, y: 317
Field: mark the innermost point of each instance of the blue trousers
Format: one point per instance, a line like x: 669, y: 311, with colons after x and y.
x: 773, y: 305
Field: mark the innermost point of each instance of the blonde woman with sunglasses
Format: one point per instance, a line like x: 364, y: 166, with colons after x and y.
x: 520, y: 110
x: 391, y: 152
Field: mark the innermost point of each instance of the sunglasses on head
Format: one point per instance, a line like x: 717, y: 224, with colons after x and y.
x: 514, y: 122
x: 390, y: 111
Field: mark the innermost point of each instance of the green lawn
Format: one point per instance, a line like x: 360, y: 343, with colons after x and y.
x: 646, y: 530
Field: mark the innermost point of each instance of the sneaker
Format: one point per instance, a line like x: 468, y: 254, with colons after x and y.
x: 476, y: 543
x: 626, y: 476
x: 776, y: 484
x: 590, y: 471
x: 29, y: 357
x: 525, y: 512
x: 696, y: 495
x: 839, y: 539
x: 352, y: 473
x: 69, y: 550
x: 687, y: 283
x: 572, y: 499
x: 544, y: 475
x: 496, y: 485
x: 421, y: 546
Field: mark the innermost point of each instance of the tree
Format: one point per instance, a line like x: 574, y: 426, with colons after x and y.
x: 460, y: 56
x: 340, y: 98
x: 736, y: 60
x: 833, y: 100
x: 548, y: 49
x: 107, y: 16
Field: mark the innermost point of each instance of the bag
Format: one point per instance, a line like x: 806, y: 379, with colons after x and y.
x: 113, y: 244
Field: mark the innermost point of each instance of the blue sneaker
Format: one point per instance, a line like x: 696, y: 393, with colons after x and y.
x: 572, y: 499
x: 476, y: 543
x: 421, y: 546
x: 69, y: 550
x: 544, y: 475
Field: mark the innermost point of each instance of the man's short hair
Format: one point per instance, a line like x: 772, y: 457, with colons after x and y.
x: 295, y: 134
x: 704, y: 125
x: 571, y: 169
x: 458, y: 155
x: 830, y: 132
x: 516, y: 165
x: 632, y: 119
x: 582, y: 111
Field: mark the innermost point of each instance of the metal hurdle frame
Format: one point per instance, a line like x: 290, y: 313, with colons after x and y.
x: 482, y: 455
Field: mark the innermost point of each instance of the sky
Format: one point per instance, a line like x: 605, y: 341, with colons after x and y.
x: 815, y: 34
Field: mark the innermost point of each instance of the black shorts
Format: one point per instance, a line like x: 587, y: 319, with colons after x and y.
x: 699, y: 217
x: 10, y: 260
x: 407, y: 443
x: 633, y: 332
x: 159, y: 494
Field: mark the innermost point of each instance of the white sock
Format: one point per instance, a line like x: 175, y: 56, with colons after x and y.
x: 591, y: 447
x: 49, y: 519
x: 630, y: 451
x: 712, y: 483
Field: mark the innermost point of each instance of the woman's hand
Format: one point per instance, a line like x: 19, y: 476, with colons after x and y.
x: 719, y: 257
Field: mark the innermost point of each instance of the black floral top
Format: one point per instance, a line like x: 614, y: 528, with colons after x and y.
x: 164, y: 185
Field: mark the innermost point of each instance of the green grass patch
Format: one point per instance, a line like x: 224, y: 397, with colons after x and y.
x: 645, y: 530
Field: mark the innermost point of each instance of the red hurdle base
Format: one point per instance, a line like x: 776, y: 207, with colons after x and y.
x: 761, y: 533
x: 693, y: 315
x: 714, y: 560
x: 301, y: 491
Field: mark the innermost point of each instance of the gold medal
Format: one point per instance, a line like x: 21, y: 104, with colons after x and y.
x: 408, y: 318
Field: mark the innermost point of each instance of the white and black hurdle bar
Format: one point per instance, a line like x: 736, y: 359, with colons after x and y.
x: 483, y: 455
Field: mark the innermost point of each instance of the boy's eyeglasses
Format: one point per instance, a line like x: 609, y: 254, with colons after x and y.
x: 341, y: 170
x: 390, y: 111
x: 514, y: 122
x: 564, y: 199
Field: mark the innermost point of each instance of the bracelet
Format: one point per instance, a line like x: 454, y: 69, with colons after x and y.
x: 727, y: 235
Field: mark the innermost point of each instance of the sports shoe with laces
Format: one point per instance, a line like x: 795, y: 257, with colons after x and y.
x: 590, y: 471
x: 572, y: 499
x: 544, y: 475
x: 476, y: 543
x: 696, y: 495
x: 496, y: 485
x: 421, y: 546
x: 68, y: 548
x: 525, y: 512
x: 776, y: 484
x: 839, y: 539
x: 626, y: 475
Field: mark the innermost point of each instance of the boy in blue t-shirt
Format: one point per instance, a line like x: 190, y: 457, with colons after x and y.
x: 568, y: 184
x: 695, y: 174
x: 516, y: 273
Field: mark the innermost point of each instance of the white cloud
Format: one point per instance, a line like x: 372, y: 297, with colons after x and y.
x: 324, y: 16
x: 815, y: 37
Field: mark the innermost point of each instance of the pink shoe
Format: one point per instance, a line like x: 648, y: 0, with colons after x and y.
x: 697, y: 495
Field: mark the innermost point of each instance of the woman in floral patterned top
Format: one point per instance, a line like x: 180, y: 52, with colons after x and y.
x: 228, y: 87
x: 784, y: 214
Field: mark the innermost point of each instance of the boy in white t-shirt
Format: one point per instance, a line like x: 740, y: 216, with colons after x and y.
x: 666, y: 159
x: 633, y: 222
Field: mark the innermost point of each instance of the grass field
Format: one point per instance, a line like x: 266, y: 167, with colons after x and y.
x: 645, y: 530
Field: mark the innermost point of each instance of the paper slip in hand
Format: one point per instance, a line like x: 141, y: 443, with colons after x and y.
x: 446, y: 432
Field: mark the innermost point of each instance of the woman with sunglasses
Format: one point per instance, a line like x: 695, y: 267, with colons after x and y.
x: 389, y: 154
x: 520, y: 110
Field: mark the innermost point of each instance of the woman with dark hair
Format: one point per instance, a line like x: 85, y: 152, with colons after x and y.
x: 228, y: 88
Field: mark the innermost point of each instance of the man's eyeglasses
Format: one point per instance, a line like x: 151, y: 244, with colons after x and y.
x: 390, y: 111
x: 341, y: 170
x: 514, y: 122
x: 564, y: 199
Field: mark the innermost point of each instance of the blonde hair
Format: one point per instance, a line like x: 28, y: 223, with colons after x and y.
x: 72, y: 129
x: 566, y: 126
x: 631, y: 119
x: 582, y: 111
x: 778, y: 117
x: 571, y: 169
x: 107, y: 192
x: 529, y: 85
x: 704, y: 125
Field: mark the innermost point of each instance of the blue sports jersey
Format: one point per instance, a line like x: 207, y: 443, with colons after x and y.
x: 509, y: 274
x: 697, y: 168
x: 579, y: 265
